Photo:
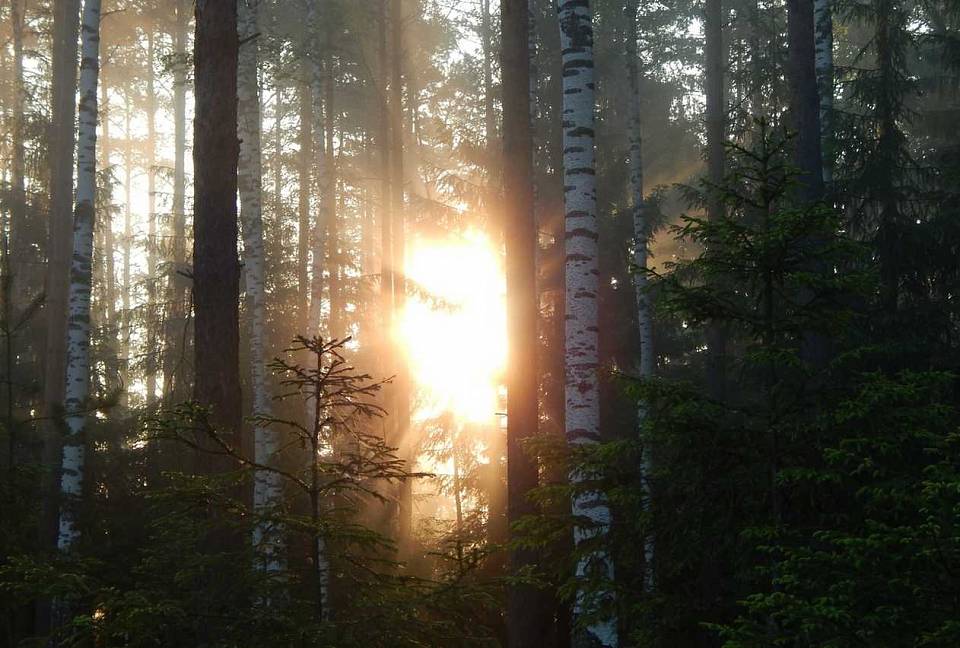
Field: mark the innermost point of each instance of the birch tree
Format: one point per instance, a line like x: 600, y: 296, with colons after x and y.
x: 78, y: 328
x: 641, y: 229
x: 267, y: 488
x: 590, y: 508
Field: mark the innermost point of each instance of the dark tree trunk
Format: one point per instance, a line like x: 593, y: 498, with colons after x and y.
x: 525, y: 609
x: 216, y: 269
x: 66, y: 29
x: 716, y: 127
x: 804, y: 99
x: 402, y: 383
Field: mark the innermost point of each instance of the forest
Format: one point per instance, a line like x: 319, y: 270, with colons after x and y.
x: 479, y: 323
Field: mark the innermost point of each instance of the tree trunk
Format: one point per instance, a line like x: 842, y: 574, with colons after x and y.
x: 109, y: 245
x: 317, y: 152
x: 716, y: 117
x: 126, y: 318
x: 151, y: 309
x: 489, y: 113
x: 525, y: 609
x: 581, y: 313
x: 78, y: 330
x: 336, y: 325
x: 20, y: 234
x: 267, y: 489
x: 216, y: 267
x: 63, y: 139
x: 641, y: 233
x: 303, y: 231
x: 176, y: 334
x: 402, y: 383
x: 823, y: 45
x: 804, y: 104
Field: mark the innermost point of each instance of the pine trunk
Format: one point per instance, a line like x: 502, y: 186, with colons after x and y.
x: 151, y: 310
x: 525, y: 608
x: 804, y: 103
x: 823, y: 46
x: 398, y: 244
x: 303, y: 229
x: 581, y: 312
x: 59, y: 246
x: 216, y: 270
x: 716, y: 117
x: 175, y: 333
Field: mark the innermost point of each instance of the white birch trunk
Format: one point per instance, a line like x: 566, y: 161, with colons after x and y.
x: 78, y: 329
x: 641, y: 229
x: 267, y: 490
x: 823, y: 26
x: 582, y: 287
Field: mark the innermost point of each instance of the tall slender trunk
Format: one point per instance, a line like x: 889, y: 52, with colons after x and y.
x: 525, y: 623
x: 152, y: 279
x: 175, y: 330
x: 278, y: 154
x: 20, y: 235
x: 126, y: 317
x: 330, y: 194
x: 804, y: 103
x: 387, y: 270
x: 303, y: 230
x: 267, y: 489
x: 216, y: 270
x: 66, y: 29
x: 581, y: 312
x: 716, y: 117
x: 318, y: 152
x: 78, y: 330
x: 398, y: 244
x: 110, y: 289
x: 823, y: 44
x: 489, y: 112
x: 641, y: 234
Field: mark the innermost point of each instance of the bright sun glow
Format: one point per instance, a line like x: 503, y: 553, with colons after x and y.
x: 453, y: 328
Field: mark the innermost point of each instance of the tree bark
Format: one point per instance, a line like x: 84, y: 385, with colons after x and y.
x: 641, y: 235
x: 581, y: 312
x: 152, y: 279
x: 823, y: 45
x: 525, y: 606
x: 59, y: 247
x: 267, y: 488
x: 174, y: 380
x: 21, y: 235
x: 78, y: 330
x: 804, y: 102
x: 216, y: 267
x: 716, y: 117
x: 303, y: 230
x: 398, y: 244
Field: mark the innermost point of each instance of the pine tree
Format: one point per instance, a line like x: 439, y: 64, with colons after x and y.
x: 216, y: 271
